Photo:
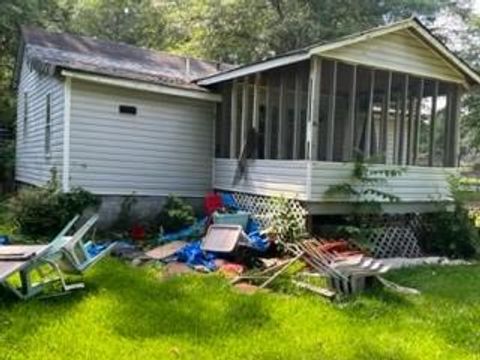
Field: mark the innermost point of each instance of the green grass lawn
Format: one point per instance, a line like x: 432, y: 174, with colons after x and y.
x: 127, y: 313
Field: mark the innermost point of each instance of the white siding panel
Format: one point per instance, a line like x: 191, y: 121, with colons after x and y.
x: 32, y: 164
x: 400, y: 51
x: 290, y: 178
x: 416, y: 184
x: 264, y: 177
x: 166, y: 148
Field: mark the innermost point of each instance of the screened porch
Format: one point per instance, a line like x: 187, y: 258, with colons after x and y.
x: 311, y: 118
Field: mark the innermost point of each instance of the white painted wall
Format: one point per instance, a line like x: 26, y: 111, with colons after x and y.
x: 33, y: 166
x: 165, y: 149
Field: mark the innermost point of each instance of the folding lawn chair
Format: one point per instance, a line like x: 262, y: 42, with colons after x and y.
x: 25, y: 260
x: 75, y: 256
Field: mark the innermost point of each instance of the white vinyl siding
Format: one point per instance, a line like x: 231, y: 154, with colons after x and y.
x: 32, y: 166
x: 166, y: 148
x: 309, y: 181
x: 399, y: 51
x: 264, y: 177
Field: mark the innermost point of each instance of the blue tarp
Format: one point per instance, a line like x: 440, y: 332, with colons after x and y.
x: 4, y: 240
x: 194, y: 231
x: 193, y: 255
x: 256, y: 240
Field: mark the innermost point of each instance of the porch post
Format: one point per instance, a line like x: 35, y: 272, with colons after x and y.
x: 432, y: 124
x: 233, y: 120
x: 454, y: 127
x: 416, y: 136
x: 313, y: 108
x: 331, y: 115
x: 350, y: 128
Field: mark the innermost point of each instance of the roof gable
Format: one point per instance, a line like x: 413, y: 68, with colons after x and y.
x: 431, y: 57
x: 401, y: 50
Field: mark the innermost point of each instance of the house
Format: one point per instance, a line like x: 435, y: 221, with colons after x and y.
x: 119, y: 120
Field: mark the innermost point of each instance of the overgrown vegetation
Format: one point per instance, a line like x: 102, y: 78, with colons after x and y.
x: 42, y: 211
x: 451, y: 230
x: 285, y: 222
x: 175, y: 214
x: 365, y: 195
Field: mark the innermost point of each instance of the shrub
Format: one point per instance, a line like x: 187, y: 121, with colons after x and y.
x: 175, y: 214
x: 43, y: 211
x: 452, y: 233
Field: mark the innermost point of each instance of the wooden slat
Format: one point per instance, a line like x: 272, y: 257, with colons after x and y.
x: 297, y: 115
x: 233, y: 121
x: 350, y: 128
x: 314, y: 108
x: 268, y: 119
x: 432, y: 124
x: 416, y: 135
x: 331, y: 114
x: 385, y: 115
x: 368, y: 127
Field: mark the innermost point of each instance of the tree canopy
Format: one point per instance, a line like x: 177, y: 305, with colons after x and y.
x: 235, y: 31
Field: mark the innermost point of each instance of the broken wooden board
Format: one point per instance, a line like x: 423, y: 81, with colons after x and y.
x: 165, y: 251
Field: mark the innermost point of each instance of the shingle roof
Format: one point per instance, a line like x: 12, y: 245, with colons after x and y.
x: 67, y: 51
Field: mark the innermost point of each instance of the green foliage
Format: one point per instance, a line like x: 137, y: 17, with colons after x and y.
x: 452, y: 233
x: 285, y: 223
x: 452, y: 230
x: 43, y: 211
x: 175, y: 214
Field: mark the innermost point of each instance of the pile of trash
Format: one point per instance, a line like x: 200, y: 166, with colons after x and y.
x: 229, y: 241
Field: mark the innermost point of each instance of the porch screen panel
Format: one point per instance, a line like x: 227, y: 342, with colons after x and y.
x: 303, y: 112
x: 425, y: 123
x: 238, y: 131
x: 440, y: 140
x: 274, y: 90
x: 289, y: 113
x: 361, y: 109
x: 377, y: 154
x: 342, y: 97
x: 262, y: 113
x: 223, y: 122
x: 325, y: 94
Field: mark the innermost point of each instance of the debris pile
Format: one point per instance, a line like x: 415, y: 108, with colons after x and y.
x: 230, y: 242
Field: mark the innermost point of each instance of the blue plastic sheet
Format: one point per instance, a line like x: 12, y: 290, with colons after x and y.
x: 255, y: 239
x: 4, y: 240
x: 95, y: 249
x: 229, y: 201
x: 194, y: 231
x: 193, y: 255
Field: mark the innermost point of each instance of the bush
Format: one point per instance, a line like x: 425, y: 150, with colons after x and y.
x: 43, y: 211
x: 452, y: 233
x: 175, y: 215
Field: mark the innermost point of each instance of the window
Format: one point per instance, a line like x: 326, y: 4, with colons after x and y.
x: 48, y: 126
x: 25, y: 115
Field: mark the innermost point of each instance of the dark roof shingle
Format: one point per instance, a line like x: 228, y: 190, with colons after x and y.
x: 67, y: 51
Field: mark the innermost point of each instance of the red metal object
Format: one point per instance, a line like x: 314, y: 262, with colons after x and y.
x: 212, y: 202
x: 137, y: 232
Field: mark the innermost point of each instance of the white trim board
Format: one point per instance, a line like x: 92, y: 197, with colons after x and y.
x: 142, y: 86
